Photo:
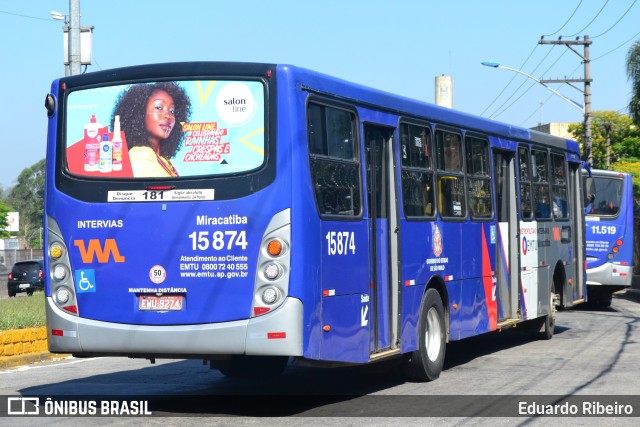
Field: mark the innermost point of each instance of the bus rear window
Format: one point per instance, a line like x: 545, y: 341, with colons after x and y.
x: 604, y: 196
x: 166, y: 129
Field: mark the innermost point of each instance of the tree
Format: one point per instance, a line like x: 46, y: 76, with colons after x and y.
x: 633, y: 73
x: 4, y: 210
x: 27, y: 197
x: 623, y: 138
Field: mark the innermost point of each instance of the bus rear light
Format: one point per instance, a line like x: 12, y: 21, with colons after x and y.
x: 63, y: 295
x: 271, y: 287
x: 269, y: 295
x: 619, y: 242
x: 274, y: 248
x: 257, y: 311
x: 272, y: 271
x: 615, y: 249
x: 610, y: 256
x: 56, y: 250
x: 276, y: 335
x: 59, y: 272
x: 71, y: 309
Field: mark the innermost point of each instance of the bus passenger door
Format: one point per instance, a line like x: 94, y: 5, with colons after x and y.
x: 576, y: 287
x: 508, y: 247
x: 383, y: 237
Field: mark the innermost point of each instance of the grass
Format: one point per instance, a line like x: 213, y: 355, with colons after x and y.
x: 22, y: 312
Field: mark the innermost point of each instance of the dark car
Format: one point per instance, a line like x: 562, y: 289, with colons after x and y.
x: 26, y: 276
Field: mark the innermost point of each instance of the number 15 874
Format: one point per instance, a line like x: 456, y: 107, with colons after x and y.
x: 340, y: 243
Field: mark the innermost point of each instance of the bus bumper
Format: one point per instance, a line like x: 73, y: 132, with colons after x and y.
x: 610, y: 275
x: 278, y: 333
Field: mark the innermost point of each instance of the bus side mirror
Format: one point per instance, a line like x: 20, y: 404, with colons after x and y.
x: 50, y: 104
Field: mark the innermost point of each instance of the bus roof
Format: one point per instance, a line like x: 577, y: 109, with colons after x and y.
x: 325, y: 84
x: 316, y: 82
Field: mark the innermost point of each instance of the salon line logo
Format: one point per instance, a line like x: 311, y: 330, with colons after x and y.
x: 96, y: 250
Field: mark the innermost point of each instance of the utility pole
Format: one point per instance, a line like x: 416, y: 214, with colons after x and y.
x: 587, y: 86
x: 607, y: 128
x: 74, y: 37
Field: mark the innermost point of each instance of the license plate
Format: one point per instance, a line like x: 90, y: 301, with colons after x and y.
x: 24, y: 285
x: 160, y: 303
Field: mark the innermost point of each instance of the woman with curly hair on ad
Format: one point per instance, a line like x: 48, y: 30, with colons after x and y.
x: 149, y: 114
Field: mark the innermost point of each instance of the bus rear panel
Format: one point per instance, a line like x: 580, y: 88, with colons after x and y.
x: 609, y: 234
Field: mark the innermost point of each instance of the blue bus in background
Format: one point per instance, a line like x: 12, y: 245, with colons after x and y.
x: 249, y: 214
x: 609, y: 234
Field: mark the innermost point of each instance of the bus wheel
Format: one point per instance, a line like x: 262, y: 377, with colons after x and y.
x: 605, y: 299
x: 426, y: 362
x: 549, y: 321
x: 254, y: 367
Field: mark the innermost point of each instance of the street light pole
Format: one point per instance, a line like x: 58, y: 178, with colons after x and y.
x: 586, y: 110
x: 74, y: 37
x: 570, y: 101
x: 71, y: 31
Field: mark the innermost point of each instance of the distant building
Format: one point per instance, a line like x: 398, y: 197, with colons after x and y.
x: 444, y: 91
x: 555, y: 129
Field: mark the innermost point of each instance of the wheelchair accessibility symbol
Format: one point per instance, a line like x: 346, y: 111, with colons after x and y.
x: 85, y: 280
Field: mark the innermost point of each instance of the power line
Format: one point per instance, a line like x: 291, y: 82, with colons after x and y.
x: 536, y: 110
x: 26, y: 16
x: 498, y: 113
x: 623, y: 15
x: 594, y: 18
x: 563, y: 25
x: 495, y: 112
x: 616, y: 48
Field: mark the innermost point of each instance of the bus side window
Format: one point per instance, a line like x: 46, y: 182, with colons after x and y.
x: 541, y: 197
x: 416, y: 172
x: 451, y: 186
x: 479, y: 178
x: 335, y: 172
x: 559, y: 187
x: 525, y: 183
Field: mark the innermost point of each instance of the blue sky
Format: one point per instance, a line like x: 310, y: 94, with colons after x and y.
x: 399, y: 46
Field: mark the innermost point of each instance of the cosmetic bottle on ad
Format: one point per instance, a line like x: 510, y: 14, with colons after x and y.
x: 92, y: 145
x: 117, y: 145
x: 106, y: 154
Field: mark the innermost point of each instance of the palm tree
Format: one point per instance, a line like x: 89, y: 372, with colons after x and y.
x: 633, y: 72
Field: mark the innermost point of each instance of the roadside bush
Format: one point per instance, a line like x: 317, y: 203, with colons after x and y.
x: 22, y: 312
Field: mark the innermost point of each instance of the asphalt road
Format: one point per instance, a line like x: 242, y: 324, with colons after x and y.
x: 593, y: 357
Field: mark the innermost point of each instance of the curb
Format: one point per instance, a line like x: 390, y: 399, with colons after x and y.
x: 24, y: 346
x: 28, y: 359
x: 20, y: 341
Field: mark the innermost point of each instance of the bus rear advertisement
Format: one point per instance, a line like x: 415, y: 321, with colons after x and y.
x: 253, y: 214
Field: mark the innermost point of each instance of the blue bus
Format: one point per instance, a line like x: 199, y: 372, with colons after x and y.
x: 252, y: 215
x: 609, y: 234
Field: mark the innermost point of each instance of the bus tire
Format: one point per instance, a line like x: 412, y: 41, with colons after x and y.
x: 548, y: 323
x: 605, y: 299
x: 254, y: 367
x: 427, y: 361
